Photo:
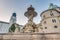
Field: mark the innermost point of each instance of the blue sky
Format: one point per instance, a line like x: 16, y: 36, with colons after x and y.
x: 7, y: 7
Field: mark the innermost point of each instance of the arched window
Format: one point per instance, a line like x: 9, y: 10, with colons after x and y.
x: 54, y: 20
x: 51, y: 13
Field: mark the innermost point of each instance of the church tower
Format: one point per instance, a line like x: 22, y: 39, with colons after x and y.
x: 50, y: 22
x: 13, y: 19
x: 14, y: 27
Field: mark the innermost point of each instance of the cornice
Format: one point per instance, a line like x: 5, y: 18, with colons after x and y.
x: 49, y: 10
x: 26, y: 33
x: 49, y: 17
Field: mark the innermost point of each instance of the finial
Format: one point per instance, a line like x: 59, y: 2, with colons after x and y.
x: 30, y: 8
x: 30, y: 5
x: 51, y: 6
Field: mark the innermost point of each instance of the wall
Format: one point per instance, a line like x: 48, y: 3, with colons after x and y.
x: 47, y: 23
x: 4, y: 27
x: 30, y: 36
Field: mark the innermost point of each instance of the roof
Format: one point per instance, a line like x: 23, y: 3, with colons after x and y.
x: 14, y: 14
x: 8, y: 23
x: 4, y: 22
x: 50, y: 9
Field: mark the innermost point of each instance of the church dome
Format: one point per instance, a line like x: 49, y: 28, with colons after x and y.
x: 14, y: 14
x: 52, y: 7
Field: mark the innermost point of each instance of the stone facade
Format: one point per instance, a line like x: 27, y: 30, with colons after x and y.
x: 30, y: 36
x: 47, y: 29
x: 30, y: 26
x: 51, y: 20
x: 4, y: 26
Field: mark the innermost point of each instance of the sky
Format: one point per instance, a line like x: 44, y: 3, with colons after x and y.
x: 7, y: 7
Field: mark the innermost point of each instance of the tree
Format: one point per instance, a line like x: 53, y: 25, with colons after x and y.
x: 12, y: 28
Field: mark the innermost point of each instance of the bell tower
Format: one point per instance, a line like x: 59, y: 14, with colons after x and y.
x: 13, y: 19
x: 14, y: 27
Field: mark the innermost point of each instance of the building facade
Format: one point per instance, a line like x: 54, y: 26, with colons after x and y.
x: 50, y: 20
x: 4, y: 26
x: 47, y: 29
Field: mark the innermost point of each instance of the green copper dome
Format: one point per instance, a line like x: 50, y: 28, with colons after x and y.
x: 52, y: 6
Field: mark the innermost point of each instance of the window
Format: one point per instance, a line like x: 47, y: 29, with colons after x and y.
x: 44, y: 22
x: 43, y: 16
x: 45, y: 27
x: 51, y: 14
x: 55, y: 26
x: 53, y: 20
